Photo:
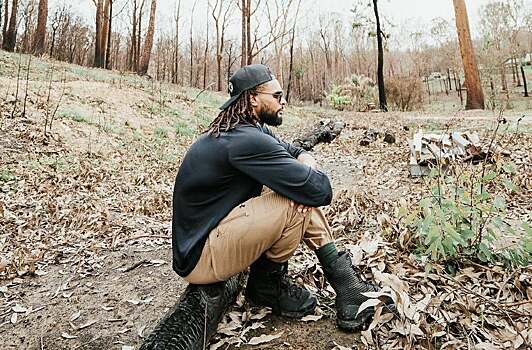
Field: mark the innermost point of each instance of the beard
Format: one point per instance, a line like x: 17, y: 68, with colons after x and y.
x: 271, y: 118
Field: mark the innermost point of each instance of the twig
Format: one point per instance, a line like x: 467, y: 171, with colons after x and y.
x: 147, y: 236
x: 202, y: 91
x: 504, y: 284
x: 26, y: 89
x: 15, y: 104
x: 496, y: 305
x: 517, y: 303
x: 87, y: 343
x: 135, y: 265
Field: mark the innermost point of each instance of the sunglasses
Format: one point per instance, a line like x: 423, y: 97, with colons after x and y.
x: 278, y: 95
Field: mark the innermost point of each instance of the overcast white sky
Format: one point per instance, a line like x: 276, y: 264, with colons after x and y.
x: 414, y: 13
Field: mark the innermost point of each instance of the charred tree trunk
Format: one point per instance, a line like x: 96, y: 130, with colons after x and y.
x: 109, y: 32
x: 40, y: 32
x: 475, y: 96
x: 249, y: 58
x: 10, y: 37
x: 380, y: 61
x: 524, y: 81
x: 325, y: 131
x: 148, y: 43
x: 291, y: 67
x: 244, y: 57
x: 517, y: 68
x: 98, y: 54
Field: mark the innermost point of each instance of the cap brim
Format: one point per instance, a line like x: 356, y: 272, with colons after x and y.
x: 229, y: 102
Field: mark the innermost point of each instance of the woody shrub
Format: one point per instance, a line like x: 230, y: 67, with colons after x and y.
x: 358, y: 93
x: 404, y: 94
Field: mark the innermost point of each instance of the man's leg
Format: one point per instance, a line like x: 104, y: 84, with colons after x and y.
x: 262, y: 233
x: 341, y: 274
x: 262, y: 225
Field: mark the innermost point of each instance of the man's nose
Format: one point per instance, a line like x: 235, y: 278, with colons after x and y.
x: 283, y: 101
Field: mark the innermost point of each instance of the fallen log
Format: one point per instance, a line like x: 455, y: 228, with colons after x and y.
x: 191, y: 323
x: 325, y: 131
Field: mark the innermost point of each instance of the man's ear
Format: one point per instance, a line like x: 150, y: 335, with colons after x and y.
x: 253, y: 100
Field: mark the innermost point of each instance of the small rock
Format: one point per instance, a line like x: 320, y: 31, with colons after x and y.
x: 389, y: 137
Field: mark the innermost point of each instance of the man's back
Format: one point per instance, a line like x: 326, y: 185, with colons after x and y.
x: 219, y: 173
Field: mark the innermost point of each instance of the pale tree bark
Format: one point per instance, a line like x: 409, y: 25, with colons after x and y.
x: 244, y: 52
x: 105, y: 31
x: 176, y: 44
x: 475, y: 95
x: 148, y: 42
x: 10, y: 37
x: 205, y: 53
x: 40, y: 32
x: 5, y: 12
x: 139, y: 32
x: 191, y: 57
x: 132, y: 52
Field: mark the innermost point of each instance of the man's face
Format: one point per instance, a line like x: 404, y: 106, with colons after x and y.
x: 269, y: 103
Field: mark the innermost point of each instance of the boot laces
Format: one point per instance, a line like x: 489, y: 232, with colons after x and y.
x: 292, y: 289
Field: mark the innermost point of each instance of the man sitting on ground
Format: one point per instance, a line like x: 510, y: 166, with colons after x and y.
x: 244, y: 198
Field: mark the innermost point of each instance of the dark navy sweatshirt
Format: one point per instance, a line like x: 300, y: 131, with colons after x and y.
x: 219, y: 173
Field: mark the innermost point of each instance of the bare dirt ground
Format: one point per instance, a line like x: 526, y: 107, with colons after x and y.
x: 85, y: 212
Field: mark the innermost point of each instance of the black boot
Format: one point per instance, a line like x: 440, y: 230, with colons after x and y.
x: 349, y: 286
x: 269, y: 286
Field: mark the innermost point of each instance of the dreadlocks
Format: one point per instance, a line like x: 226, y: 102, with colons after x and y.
x: 238, y: 112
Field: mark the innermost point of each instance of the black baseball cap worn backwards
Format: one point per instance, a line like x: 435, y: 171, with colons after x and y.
x: 247, y: 78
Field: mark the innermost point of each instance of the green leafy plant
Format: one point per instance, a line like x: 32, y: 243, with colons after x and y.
x: 465, y: 215
x: 358, y: 93
x: 337, y: 100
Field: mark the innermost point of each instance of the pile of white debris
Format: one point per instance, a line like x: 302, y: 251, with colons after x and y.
x: 431, y: 149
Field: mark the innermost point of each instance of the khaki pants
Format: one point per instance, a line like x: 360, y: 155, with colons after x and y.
x: 265, y: 224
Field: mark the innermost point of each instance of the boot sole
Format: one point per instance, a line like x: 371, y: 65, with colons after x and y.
x: 352, y: 325
x: 288, y: 314
x: 363, y: 319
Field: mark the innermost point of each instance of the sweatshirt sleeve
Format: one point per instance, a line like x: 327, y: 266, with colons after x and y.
x: 264, y: 159
x: 291, y: 149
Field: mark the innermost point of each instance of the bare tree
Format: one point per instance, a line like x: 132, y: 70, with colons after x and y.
x: 133, y: 48
x: 148, y: 42
x: 6, y: 20
x: 177, y: 56
x: 99, y: 56
x: 10, y: 36
x: 244, y: 45
x: 380, y: 60
x: 475, y: 95
x: 40, y: 32
x: 220, y: 13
